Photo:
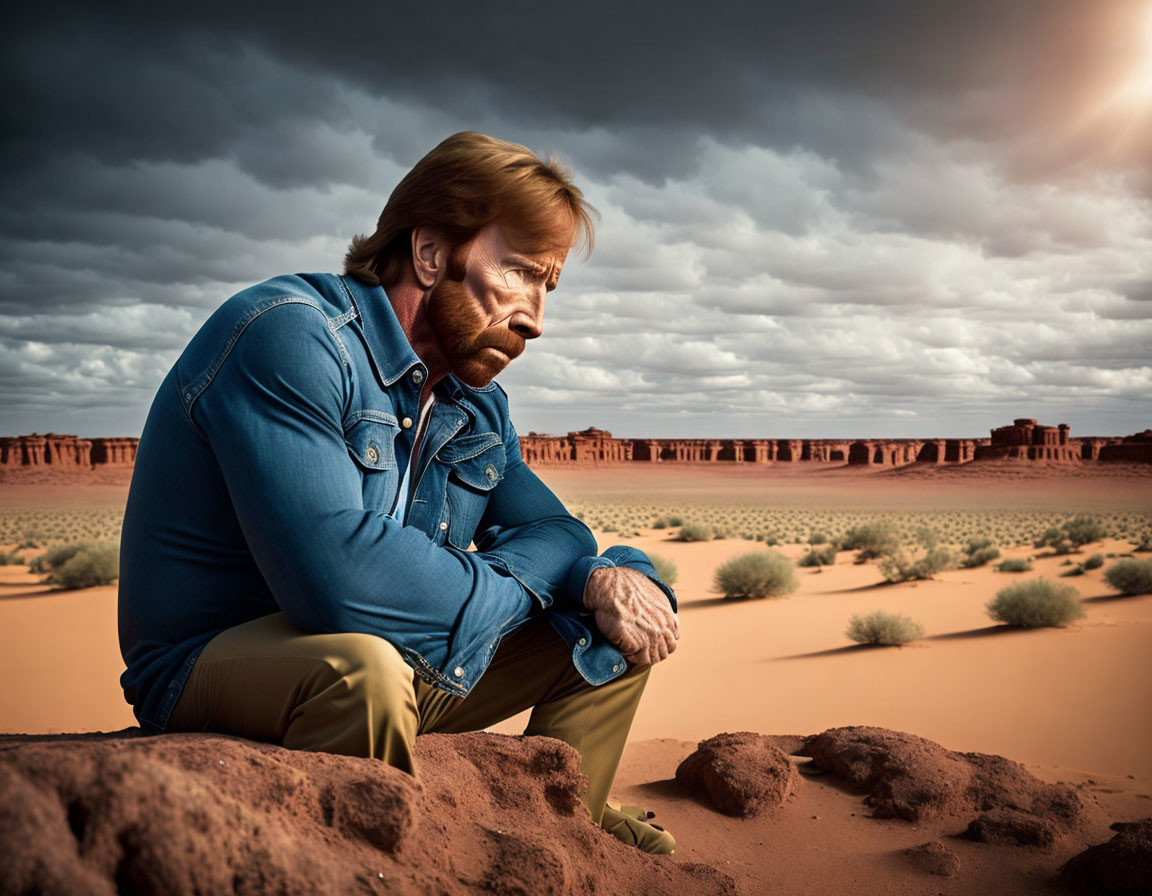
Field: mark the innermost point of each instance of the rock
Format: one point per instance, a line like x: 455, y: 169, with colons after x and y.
x: 742, y: 774
x: 1013, y: 828
x: 1120, y: 867
x: 200, y: 813
x: 908, y: 777
x: 934, y: 858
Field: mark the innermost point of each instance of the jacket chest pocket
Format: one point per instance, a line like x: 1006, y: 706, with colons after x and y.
x: 475, y: 467
x: 370, y: 441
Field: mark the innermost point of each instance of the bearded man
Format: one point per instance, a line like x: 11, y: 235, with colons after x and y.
x: 295, y: 557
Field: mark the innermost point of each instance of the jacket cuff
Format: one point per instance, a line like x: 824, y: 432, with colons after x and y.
x: 618, y: 555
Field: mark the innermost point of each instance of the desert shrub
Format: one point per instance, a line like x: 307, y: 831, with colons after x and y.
x: 1082, y: 530
x: 1145, y: 545
x: 872, y: 540
x: 759, y: 574
x: 977, y: 544
x: 980, y: 557
x: 665, y: 568
x: 1130, y: 576
x: 1072, y: 535
x: 674, y: 521
x: 1036, y: 603
x: 80, y: 564
x: 825, y: 556
x: 1094, y: 562
x: 882, y: 627
x: 817, y: 537
x: 771, y: 539
x: 661, y: 523
x: 1014, y: 564
x: 1076, y: 570
x: 12, y: 558
x: 695, y: 532
x: 903, y: 566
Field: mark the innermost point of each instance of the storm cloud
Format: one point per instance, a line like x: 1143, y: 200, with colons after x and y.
x: 817, y: 219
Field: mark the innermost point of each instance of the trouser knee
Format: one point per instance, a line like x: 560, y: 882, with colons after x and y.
x: 364, y: 704
x: 374, y: 674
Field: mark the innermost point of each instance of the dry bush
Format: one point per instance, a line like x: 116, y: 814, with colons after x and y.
x: 81, y: 564
x: 1014, y: 564
x: 665, y: 568
x: 904, y: 566
x: 825, y: 556
x: 695, y: 532
x: 872, y: 540
x: 882, y: 627
x: 1035, y: 604
x: 759, y: 574
x: 1130, y: 576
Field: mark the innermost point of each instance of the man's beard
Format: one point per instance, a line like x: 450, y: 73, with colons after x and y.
x: 460, y: 330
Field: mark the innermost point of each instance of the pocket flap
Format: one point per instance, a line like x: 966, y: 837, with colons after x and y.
x: 477, y: 460
x: 370, y: 442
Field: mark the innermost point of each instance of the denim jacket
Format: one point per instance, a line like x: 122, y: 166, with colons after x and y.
x: 265, y: 478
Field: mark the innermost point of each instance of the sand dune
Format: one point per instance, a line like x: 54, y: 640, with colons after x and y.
x: 1070, y: 704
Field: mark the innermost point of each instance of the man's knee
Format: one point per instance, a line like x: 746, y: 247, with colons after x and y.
x: 371, y: 670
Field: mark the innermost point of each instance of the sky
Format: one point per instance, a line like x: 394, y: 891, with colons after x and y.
x: 863, y: 218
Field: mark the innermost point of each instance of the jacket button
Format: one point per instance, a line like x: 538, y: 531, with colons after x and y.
x: 583, y: 642
x: 490, y: 473
x: 372, y: 454
x: 616, y: 667
x: 458, y: 671
x: 406, y: 422
x: 443, y: 526
x: 417, y: 376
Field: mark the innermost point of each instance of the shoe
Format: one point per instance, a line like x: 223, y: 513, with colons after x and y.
x: 629, y: 824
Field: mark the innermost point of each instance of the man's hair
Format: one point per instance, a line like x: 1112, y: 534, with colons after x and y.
x: 464, y: 184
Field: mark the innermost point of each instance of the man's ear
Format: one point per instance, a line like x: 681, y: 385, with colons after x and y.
x: 429, y: 255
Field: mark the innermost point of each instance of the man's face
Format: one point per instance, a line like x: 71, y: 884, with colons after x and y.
x: 489, y: 302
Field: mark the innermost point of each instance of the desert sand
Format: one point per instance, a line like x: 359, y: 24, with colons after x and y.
x: 1070, y: 705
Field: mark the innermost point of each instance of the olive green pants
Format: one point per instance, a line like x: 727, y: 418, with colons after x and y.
x: 353, y: 694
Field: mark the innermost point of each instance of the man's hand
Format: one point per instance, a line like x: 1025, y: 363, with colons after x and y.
x: 633, y: 613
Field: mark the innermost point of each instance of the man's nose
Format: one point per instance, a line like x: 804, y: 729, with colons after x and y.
x: 528, y: 320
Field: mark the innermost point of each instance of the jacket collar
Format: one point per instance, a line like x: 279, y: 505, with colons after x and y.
x: 388, y: 348
x: 389, y: 351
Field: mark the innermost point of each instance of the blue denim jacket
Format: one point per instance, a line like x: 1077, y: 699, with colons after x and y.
x: 264, y: 480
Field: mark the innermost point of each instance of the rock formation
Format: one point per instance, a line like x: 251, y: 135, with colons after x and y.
x: 55, y: 452
x: 201, y: 813
x: 1024, y: 440
x: 905, y: 776
x: 740, y: 773
x: 50, y: 450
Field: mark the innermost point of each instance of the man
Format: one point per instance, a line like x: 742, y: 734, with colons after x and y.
x: 294, y: 559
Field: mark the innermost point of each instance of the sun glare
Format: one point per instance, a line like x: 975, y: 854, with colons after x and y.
x: 1144, y: 78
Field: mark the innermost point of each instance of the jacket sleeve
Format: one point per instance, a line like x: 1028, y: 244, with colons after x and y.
x: 527, y: 530
x: 273, y: 414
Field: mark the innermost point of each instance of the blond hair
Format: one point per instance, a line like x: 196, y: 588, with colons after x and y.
x: 464, y: 184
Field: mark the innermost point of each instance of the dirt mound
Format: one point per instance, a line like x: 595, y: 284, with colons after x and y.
x: 912, y: 778
x: 200, y: 813
x: 934, y: 858
x: 742, y: 774
x: 1120, y: 867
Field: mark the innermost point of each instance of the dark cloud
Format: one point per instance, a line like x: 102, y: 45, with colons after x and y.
x: 815, y: 215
